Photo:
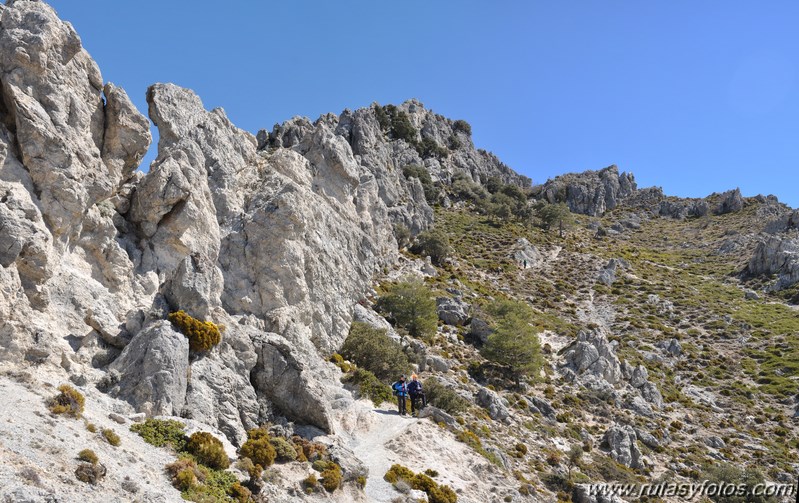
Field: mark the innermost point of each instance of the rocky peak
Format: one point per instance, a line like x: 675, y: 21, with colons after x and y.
x: 591, y: 192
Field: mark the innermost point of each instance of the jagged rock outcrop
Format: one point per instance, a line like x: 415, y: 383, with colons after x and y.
x: 452, y: 311
x: 621, y: 443
x: 683, y: 208
x: 591, y: 192
x: 78, y: 138
x: 730, y: 202
x: 776, y: 254
x: 496, y: 406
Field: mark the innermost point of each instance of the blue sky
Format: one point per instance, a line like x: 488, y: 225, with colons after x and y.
x: 693, y: 96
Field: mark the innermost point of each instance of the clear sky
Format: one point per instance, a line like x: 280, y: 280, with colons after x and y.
x: 694, y: 96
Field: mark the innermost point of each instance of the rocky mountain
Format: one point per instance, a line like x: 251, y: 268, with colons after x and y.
x: 655, y: 314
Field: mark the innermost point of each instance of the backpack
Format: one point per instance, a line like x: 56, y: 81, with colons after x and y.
x: 395, y: 388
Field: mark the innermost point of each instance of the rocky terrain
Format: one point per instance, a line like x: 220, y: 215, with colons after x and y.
x: 668, y: 326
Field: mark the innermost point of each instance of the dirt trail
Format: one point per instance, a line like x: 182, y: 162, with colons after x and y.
x: 375, y: 428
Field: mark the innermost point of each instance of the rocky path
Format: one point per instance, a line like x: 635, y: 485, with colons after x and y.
x: 368, y: 441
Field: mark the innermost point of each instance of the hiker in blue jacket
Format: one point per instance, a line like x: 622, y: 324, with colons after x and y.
x: 400, y: 391
x: 418, y: 399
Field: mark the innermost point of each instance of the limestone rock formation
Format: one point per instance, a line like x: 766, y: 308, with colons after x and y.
x: 621, y: 443
x: 589, y: 193
x: 777, y: 254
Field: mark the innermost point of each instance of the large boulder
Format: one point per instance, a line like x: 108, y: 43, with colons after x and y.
x: 452, y: 311
x: 496, y: 406
x: 153, y: 371
x: 730, y: 202
x: 621, y: 443
x: 593, y: 354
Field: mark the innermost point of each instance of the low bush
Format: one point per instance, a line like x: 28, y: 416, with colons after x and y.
x: 725, y: 474
x: 208, y: 450
x: 162, y: 432
x: 371, y: 387
x: 371, y: 349
x: 258, y: 448
x: 202, y: 335
x: 284, y: 451
x: 446, y: 399
x: 239, y: 493
x: 185, y: 473
x: 433, y: 243
x: 69, y: 401
x: 91, y: 428
x: 88, y: 455
x: 331, y: 477
x: 461, y: 126
x: 310, y: 483
x: 111, y: 436
x: 218, y: 486
x: 399, y: 475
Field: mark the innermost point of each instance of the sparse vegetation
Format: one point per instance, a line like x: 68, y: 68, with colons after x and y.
x: 399, y: 475
x: 162, y: 432
x: 443, y: 397
x: 111, y: 437
x: 202, y: 335
x: 88, y: 456
x: 69, y: 401
x: 208, y: 450
x: 258, y: 448
x: 370, y: 386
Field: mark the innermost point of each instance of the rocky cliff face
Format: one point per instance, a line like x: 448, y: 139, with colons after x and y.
x: 275, y: 237
x: 589, y: 193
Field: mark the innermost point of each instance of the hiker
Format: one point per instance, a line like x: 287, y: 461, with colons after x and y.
x: 416, y: 393
x: 400, y: 391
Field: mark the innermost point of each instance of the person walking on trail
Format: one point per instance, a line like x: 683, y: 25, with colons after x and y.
x: 417, y: 394
x: 401, y: 392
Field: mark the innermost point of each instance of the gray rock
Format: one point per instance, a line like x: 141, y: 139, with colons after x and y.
x: 589, y: 193
x: 776, y: 255
x: 452, y: 311
x: 437, y: 416
x: 351, y: 466
x: 496, y: 406
x: 153, y: 370
x: 527, y: 255
x: 731, y: 202
x: 621, y: 443
x: 117, y: 418
x: 671, y: 347
x: 593, y: 354
x: 480, y: 330
x: 76, y: 148
x: 363, y: 314
x: 585, y: 493
x: 715, y: 442
x: 647, y: 438
x: 751, y: 295
x: 437, y: 364
x: 543, y: 406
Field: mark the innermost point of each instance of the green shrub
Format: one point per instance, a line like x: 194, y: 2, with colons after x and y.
x: 464, y: 188
x: 420, y: 482
x: 161, y: 432
x: 727, y: 474
x: 397, y: 473
x: 462, y: 126
x: 217, y: 487
x: 361, y: 481
x: 185, y: 473
x: 430, y: 148
x: 239, y: 493
x: 208, y: 450
x: 341, y: 363
x: 111, y: 436
x: 411, y: 306
x: 371, y: 349
x: 453, y: 142
x: 433, y: 243
x: 310, y: 483
x: 91, y: 428
x: 402, y: 128
x: 88, y: 455
x: 403, y: 236
x: 382, y: 117
x: 443, y: 397
x: 202, y: 335
x: 514, y: 343
x: 69, y: 401
x: 284, y: 451
x: 258, y: 448
x: 331, y: 477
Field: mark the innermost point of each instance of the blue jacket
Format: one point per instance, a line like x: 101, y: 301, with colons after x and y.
x: 399, y: 389
x: 414, y: 387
